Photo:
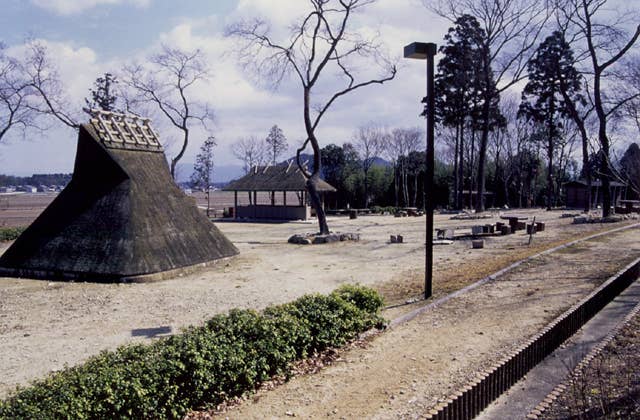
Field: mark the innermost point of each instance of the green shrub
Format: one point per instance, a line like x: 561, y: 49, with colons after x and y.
x: 384, y: 209
x: 202, y: 366
x: 10, y: 233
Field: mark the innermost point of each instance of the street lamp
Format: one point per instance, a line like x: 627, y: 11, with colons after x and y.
x: 422, y: 51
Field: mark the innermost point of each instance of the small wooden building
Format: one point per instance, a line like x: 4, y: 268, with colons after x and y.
x: 285, y: 181
x: 576, y: 193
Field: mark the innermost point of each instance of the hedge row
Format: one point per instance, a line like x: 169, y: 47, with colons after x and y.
x: 202, y: 366
x: 9, y: 234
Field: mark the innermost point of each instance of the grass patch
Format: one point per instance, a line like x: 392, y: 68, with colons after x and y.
x: 202, y: 366
x: 10, y: 233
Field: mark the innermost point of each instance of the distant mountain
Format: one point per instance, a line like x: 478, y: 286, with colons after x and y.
x: 221, y: 174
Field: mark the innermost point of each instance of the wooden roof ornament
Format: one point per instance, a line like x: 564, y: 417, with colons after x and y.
x: 121, y: 218
x: 124, y: 131
x: 275, y: 178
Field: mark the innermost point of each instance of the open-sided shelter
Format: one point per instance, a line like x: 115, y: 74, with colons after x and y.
x: 275, y: 180
x: 576, y: 193
x: 120, y: 218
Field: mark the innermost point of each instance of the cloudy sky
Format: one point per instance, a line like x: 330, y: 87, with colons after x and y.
x: 90, y: 37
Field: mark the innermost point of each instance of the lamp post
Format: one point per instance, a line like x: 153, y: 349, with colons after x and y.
x: 422, y: 51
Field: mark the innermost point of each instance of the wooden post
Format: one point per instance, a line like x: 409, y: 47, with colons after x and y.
x: 235, y: 204
x: 255, y: 203
x: 284, y: 198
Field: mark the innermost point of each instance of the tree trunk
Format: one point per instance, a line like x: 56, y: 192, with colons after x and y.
x: 482, y: 154
x: 585, y: 144
x: 366, y: 188
x: 208, y: 201
x: 461, y: 168
x: 455, y: 170
x: 317, y: 204
x: 395, y: 183
x: 185, y: 143
x: 550, y: 154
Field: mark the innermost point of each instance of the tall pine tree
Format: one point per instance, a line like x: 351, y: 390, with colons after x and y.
x: 460, y: 90
x: 552, y: 79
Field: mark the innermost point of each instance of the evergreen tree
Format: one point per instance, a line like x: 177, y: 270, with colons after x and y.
x: 103, y: 94
x: 277, y: 143
x: 202, y: 176
x: 543, y: 101
x: 460, y: 90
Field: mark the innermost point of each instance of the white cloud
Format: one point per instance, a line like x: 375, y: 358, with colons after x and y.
x: 245, y: 108
x: 70, y: 7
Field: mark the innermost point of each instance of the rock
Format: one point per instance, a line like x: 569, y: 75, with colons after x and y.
x: 332, y: 237
x: 299, y: 239
x: 349, y: 237
x: 580, y: 220
x: 319, y: 240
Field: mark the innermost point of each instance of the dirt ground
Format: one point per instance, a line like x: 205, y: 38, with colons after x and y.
x: 609, y: 388
x: 45, y: 325
x: 409, y: 369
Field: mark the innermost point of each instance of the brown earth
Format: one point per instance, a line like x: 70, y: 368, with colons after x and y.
x: 45, y: 325
x: 408, y: 370
x: 609, y: 388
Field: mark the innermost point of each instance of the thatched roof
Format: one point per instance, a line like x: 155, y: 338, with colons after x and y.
x: 274, y: 178
x: 120, y: 217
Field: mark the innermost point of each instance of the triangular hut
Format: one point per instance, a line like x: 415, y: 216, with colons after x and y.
x: 120, y: 218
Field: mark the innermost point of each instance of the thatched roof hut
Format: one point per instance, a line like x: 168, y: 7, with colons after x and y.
x: 120, y: 218
x: 285, y: 178
x: 275, y: 178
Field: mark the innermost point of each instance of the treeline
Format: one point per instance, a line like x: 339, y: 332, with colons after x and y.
x: 517, y: 175
x: 35, y: 179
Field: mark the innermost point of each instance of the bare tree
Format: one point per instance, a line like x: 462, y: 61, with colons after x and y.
x: 632, y: 107
x: 250, y: 151
x: 43, y: 79
x: 606, y: 41
x: 277, y: 143
x: 512, y: 28
x: 320, y: 44
x: 31, y: 91
x: 202, y: 175
x: 369, y: 141
x: 399, y: 145
x: 168, y: 83
x: 14, y: 96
